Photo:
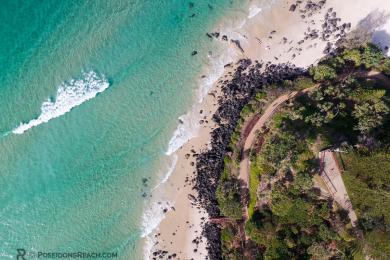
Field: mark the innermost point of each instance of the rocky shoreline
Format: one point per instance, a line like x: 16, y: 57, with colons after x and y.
x: 248, y: 78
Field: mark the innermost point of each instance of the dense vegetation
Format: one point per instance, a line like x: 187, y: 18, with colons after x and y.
x: 367, y: 179
x: 289, y: 217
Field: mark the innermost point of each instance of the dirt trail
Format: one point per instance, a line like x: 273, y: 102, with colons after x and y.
x: 379, y: 76
x: 256, y: 127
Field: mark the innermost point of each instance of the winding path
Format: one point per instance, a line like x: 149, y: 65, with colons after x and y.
x: 261, y: 122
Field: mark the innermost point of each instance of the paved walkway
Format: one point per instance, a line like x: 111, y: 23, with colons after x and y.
x: 331, y: 175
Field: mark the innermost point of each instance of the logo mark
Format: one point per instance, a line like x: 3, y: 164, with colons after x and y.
x: 21, y: 254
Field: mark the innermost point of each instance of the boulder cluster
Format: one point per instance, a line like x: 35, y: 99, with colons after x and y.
x: 308, y: 8
x: 331, y: 28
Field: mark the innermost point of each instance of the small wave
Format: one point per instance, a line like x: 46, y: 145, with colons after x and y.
x: 216, y: 68
x: 184, y: 132
x: 150, y: 221
x: 253, y: 11
x: 70, y: 94
x: 169, y: 172
x: 5, y: 134
x: 152, y: 218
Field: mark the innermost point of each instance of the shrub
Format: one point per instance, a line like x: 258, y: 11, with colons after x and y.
x: 371, y: 55
x: 261, y: 95
x: 303, y: 82
x: 353, y: 55
x: 281, y: 146
x: 247, y: 110
x: 385, y: 67
x: 322, y: 72
x: 229, y: 198
x: 227, y: 234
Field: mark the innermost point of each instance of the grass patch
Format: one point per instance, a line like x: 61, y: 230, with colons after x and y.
x: 302, y: 83
x: 254, y: 181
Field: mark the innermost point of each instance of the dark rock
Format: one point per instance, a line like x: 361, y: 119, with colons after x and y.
x: 215, y: 34
x: 238, y: 44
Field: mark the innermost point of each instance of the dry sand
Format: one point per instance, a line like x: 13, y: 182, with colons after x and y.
x: 184, y: 224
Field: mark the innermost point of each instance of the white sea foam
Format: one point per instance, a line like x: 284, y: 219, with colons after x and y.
x: 152, y: 217
x: 184, y: 132
x: 70, y: 94
x: 150, y: 221
x: 168, y: 172
x: 253, y: 11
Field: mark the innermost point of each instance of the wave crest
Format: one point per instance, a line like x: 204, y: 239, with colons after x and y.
x: 70, y: 94
x: 253, y: 11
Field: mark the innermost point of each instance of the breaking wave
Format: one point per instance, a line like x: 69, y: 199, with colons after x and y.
x: 70, y: 94
x: 253, y: 11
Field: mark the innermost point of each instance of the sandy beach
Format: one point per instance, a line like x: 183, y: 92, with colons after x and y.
x: 276, y: 35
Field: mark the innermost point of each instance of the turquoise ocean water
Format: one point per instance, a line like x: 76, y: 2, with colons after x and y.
x: 123, y: 72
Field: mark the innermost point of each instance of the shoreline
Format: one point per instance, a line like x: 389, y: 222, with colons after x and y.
x: 180, y: 233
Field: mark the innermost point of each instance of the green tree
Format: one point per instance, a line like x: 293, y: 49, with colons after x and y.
x: 276, y: 250
x: 371, y: 55
x: 369, y: 115
x: 229, y: 198
x: 353, y: 55
x: 385, y: 67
